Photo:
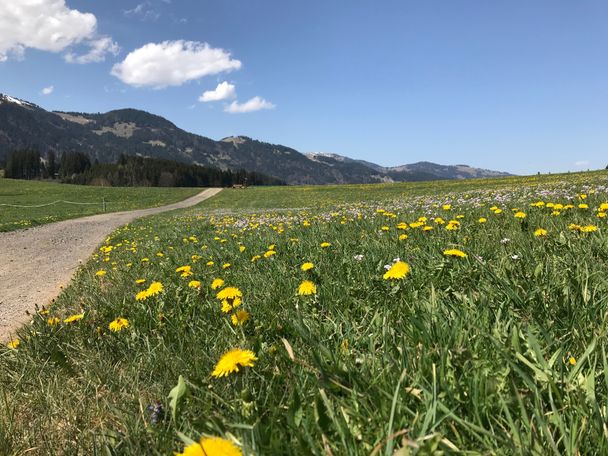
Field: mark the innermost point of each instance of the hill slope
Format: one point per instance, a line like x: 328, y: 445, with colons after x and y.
x: 104, y: 137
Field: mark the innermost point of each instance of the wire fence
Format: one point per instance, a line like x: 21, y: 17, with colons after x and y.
x: 102, y: 203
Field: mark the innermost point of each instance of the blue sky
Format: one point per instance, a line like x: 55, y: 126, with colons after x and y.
x: 516, y: 86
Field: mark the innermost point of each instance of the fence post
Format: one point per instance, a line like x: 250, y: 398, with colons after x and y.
x: 104, y: 203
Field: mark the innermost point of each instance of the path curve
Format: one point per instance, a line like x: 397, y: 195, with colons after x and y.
x: 35, y: 263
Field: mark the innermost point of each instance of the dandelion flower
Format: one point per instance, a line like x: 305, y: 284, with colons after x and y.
x: 455, y: 253
x: 13, y: 344
x: 100, y: 273
x: 140, y: 281
x: 142, y: 295
x: 307, y: 288
x: 307, y: 266
x: 155, y: 288
x: 211, y: 446
x: 118, y: 324
x: 520, y: 215
x: 240, y: 317
x: 402, y: 237
x: 324, y: 245
x: 230, y: 362
x: 186, y: 271
x: 482, y: 220
x: 540, y: 232
x: 398, y: 270
x: 588, y: 229
x: 53, y: 321
x: 229, y: 293
x: 73, y: 318
x: 572, y: 361
x: 229, y: 304
x: 217, y: 283
x: 194, y: 284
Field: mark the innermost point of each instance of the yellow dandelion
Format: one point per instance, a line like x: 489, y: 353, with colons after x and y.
x: 402, y: 237
x: 73, y: 318
x: 217, y: 283
x: 540, y: 232
x: 142, y: 295
x: 13, y: 344
x: 588, y: 229
x: 229, y: 293
x: 324, y: 245
x: 307, y: 266
x: 140, y: 281
x: 230, y: 362
x: 53, y: 321
x: 101, y: 273
x: 211, y: 446
x: 397, y: 271
x: 583, y: 206
x: 118, y: 324
x: 229, y: 304
x: 520, y: 215
x: 240, y: 317
x: 446, y: 207
x: 482, y: 220
x: 455, y: 253
x: 242, y: 248
x: 307, y: 288
x: 269, y: 253
x: 226, y: 265
x: 210, y: 263
x: 572, y: 361
x: 155, y: 288
x: 194, y: 284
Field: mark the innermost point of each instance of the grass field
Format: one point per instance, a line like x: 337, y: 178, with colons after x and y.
x: 34, y: 193
x: 433, y: 318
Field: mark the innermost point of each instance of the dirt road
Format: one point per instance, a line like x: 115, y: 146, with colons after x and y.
x: 36, y: 262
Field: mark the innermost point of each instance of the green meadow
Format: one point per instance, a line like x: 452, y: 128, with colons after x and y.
x: 431, y: 318
x: 39, y: 196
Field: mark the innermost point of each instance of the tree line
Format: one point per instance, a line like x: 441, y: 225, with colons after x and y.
x: 128, y: 171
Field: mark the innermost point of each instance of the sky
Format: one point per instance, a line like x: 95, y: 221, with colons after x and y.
x: 511, y: 85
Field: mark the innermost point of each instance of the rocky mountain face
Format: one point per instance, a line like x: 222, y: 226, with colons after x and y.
x: 104, y: 137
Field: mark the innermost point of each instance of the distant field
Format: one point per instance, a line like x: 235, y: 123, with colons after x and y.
x: 34, y: 193
x: 324, y: 196
x: 420, y: 319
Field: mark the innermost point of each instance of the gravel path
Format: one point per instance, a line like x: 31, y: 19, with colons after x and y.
x: 35, y: 263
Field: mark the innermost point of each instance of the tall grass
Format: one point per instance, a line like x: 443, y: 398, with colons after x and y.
x: 500, y: 352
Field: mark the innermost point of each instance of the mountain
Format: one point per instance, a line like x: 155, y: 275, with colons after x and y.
x: 104, y: 137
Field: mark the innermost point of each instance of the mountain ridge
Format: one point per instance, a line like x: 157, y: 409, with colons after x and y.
x: 105, y: 136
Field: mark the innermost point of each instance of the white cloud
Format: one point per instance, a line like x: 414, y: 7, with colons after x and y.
x: 98, y: 49
x: 47, y: 25
x: 143, y: 11
x: 581, y: 163
x: 254, y: 104
x: 223, y: 91
x: 47, y: 90
x: 172, y: 63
